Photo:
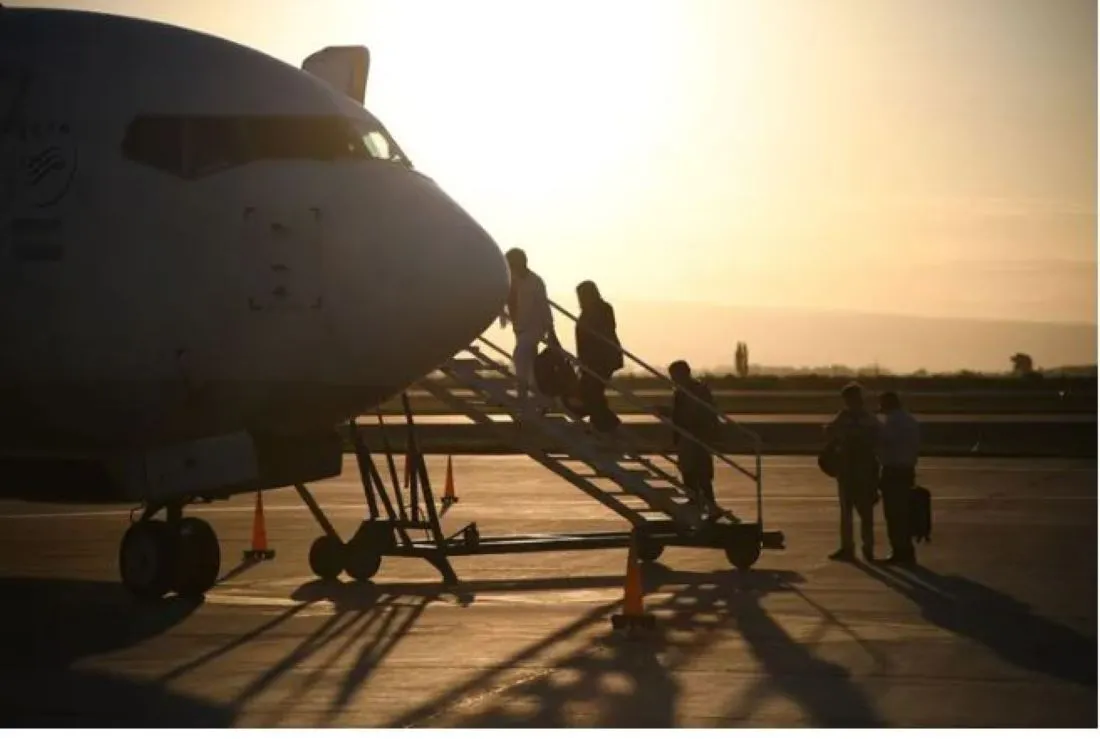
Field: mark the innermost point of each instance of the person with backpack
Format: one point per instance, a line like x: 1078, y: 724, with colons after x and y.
x: 899, y: 448
x: 698, y: 419
x: 528, y: 310
x: 852, y: 457
x: 599, y: 352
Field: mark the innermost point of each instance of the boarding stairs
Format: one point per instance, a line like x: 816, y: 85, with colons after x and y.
x: 619, y: 475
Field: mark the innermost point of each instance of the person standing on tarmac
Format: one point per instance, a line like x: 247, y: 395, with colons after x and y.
x: 899, y: 448
x: 853, y: 434
x: 532, y: 322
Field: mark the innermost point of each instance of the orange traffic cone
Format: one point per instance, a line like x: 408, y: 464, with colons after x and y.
x: 449, y: 486
x: 633, y: 617
x: 259, y: 548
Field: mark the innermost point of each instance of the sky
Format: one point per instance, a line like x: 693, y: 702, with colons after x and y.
x: 927, y: 158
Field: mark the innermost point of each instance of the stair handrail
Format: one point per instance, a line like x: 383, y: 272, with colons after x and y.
x: 627, y: 435
x: 756, y: 477
x: 664, y: 420
x: 638, y: 401
x: 753, y: 437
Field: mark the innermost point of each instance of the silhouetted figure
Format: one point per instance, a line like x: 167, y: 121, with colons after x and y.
x: 532, y: 322
x: 899, y: 447
x: 699, y: 419
x: 598, y: 349
x: 854, y: 436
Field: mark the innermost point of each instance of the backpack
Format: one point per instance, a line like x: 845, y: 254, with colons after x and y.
x: 920, y: 514
x: 828, y: 461
x: 553, y: 375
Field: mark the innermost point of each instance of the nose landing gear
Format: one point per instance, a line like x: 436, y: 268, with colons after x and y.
x: 178, y: 555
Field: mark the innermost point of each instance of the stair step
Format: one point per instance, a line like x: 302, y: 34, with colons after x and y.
x: 464, y: 364
x: 623, y: 494
x: 487, y: 362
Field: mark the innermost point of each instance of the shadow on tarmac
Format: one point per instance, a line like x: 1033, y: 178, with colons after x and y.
x: 369, y: 621
x: 611, y: 681
x: 999, y: 622
x: 582, y: 674
x: 51, y: 624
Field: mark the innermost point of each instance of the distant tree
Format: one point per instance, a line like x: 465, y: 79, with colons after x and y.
x: 741, y: 359
x: 1022, y: 364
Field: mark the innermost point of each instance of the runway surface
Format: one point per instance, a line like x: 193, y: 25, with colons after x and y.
x: 430, y: 419
x: 997, y: 627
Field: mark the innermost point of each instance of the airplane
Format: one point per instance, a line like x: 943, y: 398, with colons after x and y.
x: 209, y: 259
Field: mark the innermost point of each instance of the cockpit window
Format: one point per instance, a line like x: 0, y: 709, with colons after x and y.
x: 196, y: 146
x: 323, y: 139
x: 379, y: 143
x: 214, y: 144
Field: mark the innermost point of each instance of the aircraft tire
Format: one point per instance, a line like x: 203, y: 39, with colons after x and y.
x: 198, y: 558
x: 146, y: 559
x: 326, y: 557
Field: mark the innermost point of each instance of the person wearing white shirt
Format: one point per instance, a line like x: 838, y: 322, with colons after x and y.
x: 528, y: 311
x: 899, y: 449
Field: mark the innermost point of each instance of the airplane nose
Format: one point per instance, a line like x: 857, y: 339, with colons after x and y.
x: 462, y: 280
x: 436, y: 280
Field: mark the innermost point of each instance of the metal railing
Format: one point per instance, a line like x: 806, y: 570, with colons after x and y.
x: 756, y: 475
x: 632, y: 441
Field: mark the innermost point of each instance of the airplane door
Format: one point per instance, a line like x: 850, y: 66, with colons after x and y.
x: 284, y: 258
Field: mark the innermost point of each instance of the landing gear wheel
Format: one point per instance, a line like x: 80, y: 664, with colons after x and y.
x: 649, y: 550
x: 198, y: 558
x: 146, y: 559
x: 743, y: 554
x: 361, y: 560
x: 326, y: 557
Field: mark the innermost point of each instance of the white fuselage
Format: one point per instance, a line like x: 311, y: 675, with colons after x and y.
x: 188, y: 247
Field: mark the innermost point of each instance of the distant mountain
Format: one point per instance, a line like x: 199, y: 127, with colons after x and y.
x: 707, y: 335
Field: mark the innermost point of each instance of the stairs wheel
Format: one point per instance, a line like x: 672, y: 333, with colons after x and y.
x: 362, y: 560
x: 743, y: 554
x: 326, y: 557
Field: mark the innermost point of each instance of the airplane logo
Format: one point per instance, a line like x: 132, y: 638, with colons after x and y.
x: 49, y: 165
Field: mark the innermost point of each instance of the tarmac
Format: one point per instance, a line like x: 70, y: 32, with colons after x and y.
x: 817, y: 419
x: 946, y: 435
x: 996, y: 627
